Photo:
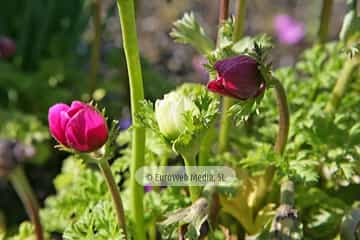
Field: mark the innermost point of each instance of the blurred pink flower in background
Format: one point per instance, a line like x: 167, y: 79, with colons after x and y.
x: 198, y: 65
x: 7, y: 47
x: 148, y: 188
x: 289, y: 31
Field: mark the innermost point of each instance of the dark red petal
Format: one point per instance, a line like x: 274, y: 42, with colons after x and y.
x: 240, y: 75
x: 217, y: 87
x: 223, y: 66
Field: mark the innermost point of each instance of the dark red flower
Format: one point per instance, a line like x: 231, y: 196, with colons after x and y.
x: 238, y: 77
x: 7, y: 47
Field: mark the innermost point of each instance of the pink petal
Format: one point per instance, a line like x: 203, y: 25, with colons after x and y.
x: 57, y: 122
x: 97, y: 136
x: 75, y: 132
x: 86, y: 131
x: 76, y: 106
x: 282, y: 22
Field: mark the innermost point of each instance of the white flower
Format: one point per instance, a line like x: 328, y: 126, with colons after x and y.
x: 169, y: 113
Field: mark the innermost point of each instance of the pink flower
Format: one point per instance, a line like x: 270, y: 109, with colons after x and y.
x: 7, y: 47
x: 148, y: 188
x: 198, y: 63
x: 288, y: 30
x: 79, y: 126
x: 238, y: 77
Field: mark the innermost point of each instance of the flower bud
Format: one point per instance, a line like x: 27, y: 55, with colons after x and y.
x: 169, y: 113
x: 11, y: 154
x: 78, y: 126
x: 7, y: 47
x: 238, y: 77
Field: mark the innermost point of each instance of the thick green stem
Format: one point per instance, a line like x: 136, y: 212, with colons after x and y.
x: 115, y: 194
x: 341, y: 84
x: 284, y: 117
x: 23, y: 189
x: 287, y: 192
x: 205, y: 146
x: 95, y: 50
x: 227, y: 102
x: 224, y: 124
x: 152, y: 230
x: 285, y: 224
x: 239, y: 20
x: 195, y: 191
x: 284, y: 125
x: 131, y: 48
x: 325, y: 20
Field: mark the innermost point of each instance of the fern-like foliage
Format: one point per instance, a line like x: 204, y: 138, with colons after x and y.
x: 97, y: 223
x: 78, y: 188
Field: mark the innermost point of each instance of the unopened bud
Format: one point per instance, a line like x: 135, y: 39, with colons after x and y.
x: 169, y: 113
x: 11, y: 154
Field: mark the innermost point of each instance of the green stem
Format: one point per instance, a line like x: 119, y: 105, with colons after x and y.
x: 227, y: 102
x: 285, y: 224
x: 115, y: 193
x: 284, y: 117
x: 341, y: 84
x: 205, y: 146
x: 287, y: 192
x: 152, y: 230
x: 23, y: 189
x: 95, y: 50
x: 195, y: 191
x: 130, y: 43
x: 325, y: 20
x: 239, y: 20
x: 284, y: 125
x: 224, y: 124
